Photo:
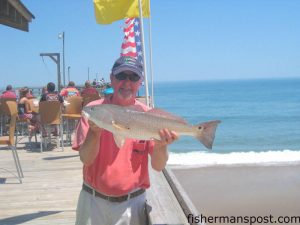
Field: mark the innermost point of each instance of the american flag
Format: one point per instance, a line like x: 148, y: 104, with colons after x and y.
x: 132, y: 44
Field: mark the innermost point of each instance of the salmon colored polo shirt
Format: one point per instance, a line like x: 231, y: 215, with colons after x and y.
x: 115, y: 171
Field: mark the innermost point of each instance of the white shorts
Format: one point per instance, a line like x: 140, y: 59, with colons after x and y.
x: 93, y: 210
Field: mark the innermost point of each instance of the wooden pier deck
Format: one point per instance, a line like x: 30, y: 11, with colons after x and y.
x: 51, y: 185
x: 49, y: 192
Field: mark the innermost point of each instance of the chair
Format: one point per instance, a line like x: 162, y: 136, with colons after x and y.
x: 50, y: 114
x: 2, y: 116
x: 8, y: 99
x: 9, y: 108
x: 22, y: 125
x: 72, y: 112
x: 18, y: 119
x: 89, y: 98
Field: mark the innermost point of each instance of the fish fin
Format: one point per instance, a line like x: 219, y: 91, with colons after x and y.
x: 119, y: 126
x: 206, y: 132
x: 119, y: 140
x: 164, y: 114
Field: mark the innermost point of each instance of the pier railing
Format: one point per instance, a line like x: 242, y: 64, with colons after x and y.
x: 167, y: 202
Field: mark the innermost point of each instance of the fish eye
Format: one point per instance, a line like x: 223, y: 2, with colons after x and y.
x: 92, y: 108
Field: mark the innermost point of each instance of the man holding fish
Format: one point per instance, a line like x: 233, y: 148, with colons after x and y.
x: 115, y: 178
x: 114, y: 138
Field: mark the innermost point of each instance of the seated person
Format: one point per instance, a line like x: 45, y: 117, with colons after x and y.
x: 89, y: 90
x: 30, y: 94
x: 9, y: 93
x: 25, y: 111
x: 51, y: 94
x: 69, y: 91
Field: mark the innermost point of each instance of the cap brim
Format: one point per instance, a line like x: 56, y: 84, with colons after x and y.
x: 123, y: 68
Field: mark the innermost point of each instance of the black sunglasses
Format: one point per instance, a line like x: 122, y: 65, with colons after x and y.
x: 124, y: 76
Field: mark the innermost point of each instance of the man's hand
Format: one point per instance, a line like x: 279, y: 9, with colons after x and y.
x: 90, y: 148
x: 160, y: 154
x: 94, y: 128
x: 167, y: 137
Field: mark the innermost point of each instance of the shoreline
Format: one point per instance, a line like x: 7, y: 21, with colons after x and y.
x: 252, y: 190
x: 204, y: 159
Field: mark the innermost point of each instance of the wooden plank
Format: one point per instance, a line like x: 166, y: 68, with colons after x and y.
x: 50, y: 189
x: 182, y: 197
x: 162, y: 206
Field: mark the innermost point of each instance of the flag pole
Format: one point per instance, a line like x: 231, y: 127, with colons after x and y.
x: 144, y: 54
x: 151, y: 62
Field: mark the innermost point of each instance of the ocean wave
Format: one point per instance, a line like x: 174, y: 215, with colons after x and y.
x: 204, y: 159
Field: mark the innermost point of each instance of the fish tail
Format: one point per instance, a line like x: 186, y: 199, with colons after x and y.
x: 206, y: 132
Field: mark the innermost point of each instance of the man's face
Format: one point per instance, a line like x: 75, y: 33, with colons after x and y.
x: 125, y: 86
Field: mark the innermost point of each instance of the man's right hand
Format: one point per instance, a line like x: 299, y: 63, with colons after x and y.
x: 90, y: 148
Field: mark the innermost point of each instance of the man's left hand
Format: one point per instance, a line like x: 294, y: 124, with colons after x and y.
x: 166, y: 137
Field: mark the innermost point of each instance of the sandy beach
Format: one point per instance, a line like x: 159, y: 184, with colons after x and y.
x: 243, y: 190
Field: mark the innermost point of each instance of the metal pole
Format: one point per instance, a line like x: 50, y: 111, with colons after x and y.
x: 64, y: 70
x: 58, y: 73
x: 69, y: 73
x: 144, y: 54
x: 151, y: 62
x: 88, y: 73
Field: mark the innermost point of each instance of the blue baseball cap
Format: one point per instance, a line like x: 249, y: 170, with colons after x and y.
x: 126, y: 63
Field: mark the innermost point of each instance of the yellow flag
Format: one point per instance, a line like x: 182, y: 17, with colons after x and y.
x: 108, y: 11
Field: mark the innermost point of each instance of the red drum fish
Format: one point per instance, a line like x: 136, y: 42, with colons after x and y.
x: 133, y: 122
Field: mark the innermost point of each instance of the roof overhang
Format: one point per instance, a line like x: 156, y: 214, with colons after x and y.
x: 14, y: 14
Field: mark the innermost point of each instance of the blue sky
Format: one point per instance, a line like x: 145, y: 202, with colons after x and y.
x: 191, y: 40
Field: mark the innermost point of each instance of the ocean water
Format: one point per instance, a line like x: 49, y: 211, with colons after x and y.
x: 260, y: 120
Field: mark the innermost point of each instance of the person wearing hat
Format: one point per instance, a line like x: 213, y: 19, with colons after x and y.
x: 115, y: 179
